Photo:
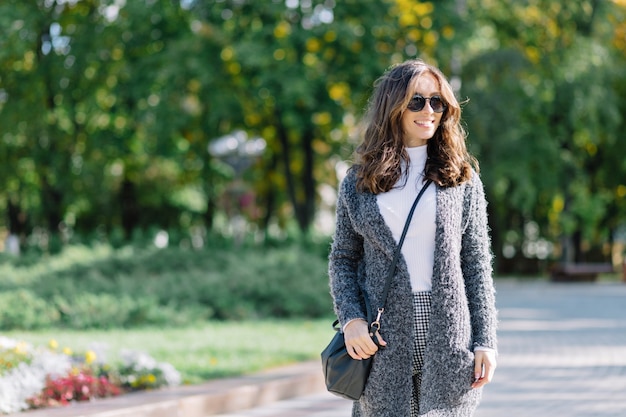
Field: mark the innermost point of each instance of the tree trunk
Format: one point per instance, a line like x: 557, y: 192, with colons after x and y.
x: 269, y: 199
x: 16, y: 218
x: 52, y: 202
x: 283, y: 137
x: 129, y: 206
x: 308, y: 214
x: 577, y: 241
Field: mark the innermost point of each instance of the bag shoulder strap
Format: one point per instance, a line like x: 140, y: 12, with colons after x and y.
x: 392, y: 268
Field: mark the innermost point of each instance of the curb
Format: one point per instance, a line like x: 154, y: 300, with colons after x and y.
x: 214, y: 397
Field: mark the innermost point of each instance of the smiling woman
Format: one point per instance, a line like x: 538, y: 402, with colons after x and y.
x: 433, y: 344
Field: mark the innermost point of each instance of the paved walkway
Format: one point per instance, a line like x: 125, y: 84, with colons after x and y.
x: 562, y: 354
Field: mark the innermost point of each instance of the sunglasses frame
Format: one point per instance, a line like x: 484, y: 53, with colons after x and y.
x: 443, y: 108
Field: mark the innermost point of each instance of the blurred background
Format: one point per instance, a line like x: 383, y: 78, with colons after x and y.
x: 168, y: 176
x: 180, y: 122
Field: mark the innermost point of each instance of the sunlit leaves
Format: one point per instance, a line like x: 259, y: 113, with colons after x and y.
x: 339, y: 92
x: 618, y: 20
x: 142, y: 81
x: 552, y: 164
x: 282, y: 30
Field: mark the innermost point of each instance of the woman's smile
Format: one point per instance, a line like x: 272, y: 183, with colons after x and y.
x: 420, y: 126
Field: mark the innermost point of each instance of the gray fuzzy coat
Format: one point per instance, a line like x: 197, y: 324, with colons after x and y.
x: 463, y: 300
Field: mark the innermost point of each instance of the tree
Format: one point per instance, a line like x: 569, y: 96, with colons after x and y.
x: 301, y: 71
x: 107, y: 109
x: 546, y: 116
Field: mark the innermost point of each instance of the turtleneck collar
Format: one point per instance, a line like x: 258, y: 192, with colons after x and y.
x: 418, y: 156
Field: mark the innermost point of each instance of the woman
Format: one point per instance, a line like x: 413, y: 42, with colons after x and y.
x: 438, y: 331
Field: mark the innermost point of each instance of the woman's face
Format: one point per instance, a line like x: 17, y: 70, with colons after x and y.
x: 420, y: 126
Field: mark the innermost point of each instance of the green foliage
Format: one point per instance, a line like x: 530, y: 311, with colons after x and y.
x: 544, y: 118
x: 107, y: 110
x: 104, y: 311
x: 22, y: 309
x: 105, y: 288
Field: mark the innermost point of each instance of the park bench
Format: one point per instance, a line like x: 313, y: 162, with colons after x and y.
x: 579, y: 272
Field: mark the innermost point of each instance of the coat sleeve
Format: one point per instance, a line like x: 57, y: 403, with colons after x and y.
x: 345, y: 259
x: 476, y: 264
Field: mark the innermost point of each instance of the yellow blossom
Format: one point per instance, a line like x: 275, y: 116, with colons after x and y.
x: 321, y: 118
x: 558, y: 204
x: 448, y: 32
x: 423, y: 9
x: 313, y: 45
x: 426, y: 22
x: 282, y: 30
x: 407, y: 19
x: 227, y: 53
x: 338, y: 91
x: 533, y: 54
x: 279, y: 54
x: 21, y: 348
x: 234, y: 68
x: 90, y: 357
x: 430, y: 39
x: 591, y: 148
x: 53, y: 344
x: 309, y: 60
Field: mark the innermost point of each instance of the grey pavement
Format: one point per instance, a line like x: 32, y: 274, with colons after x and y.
x: 562, y: 353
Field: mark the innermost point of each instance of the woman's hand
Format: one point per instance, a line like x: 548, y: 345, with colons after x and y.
x: 359, y: 343
x: 484, y: 367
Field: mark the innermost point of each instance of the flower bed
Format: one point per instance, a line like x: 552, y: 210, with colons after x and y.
x: 37, y: 377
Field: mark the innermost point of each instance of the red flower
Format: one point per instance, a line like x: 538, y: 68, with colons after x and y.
x: 81, y: 386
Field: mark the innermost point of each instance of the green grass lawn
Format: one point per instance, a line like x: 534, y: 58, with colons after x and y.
x: 204, y: 351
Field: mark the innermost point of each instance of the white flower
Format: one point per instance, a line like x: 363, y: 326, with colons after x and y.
x: 101, y: 350
x: 142, y: 362
x: 6, y: 343
x: 139, y: 361
x: 28, y: 379
x: 170, y: 374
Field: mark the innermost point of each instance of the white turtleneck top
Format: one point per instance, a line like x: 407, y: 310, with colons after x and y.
x: 419, y: 245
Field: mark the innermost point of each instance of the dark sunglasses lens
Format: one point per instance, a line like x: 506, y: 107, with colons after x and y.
x: 417, y: 103
x: 437, y: 104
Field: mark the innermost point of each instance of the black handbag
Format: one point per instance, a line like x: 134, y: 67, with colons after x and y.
x: 344, y: 376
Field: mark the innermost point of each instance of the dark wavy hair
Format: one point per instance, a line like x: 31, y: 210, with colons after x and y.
x: 379, y: 157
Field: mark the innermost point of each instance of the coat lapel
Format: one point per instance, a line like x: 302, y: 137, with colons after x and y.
x: 448, y: 236
x: 374, y: 226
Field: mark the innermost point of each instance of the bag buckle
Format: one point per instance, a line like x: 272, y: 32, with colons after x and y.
x: 375, y: 326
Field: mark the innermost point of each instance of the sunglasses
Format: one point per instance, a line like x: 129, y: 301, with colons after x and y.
x: 418, y: 102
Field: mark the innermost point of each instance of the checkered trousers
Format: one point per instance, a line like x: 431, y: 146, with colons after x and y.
x: 421, y: 305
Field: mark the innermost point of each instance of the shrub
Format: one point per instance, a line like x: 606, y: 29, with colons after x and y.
x: 25, y: 310
x: 103, y: 287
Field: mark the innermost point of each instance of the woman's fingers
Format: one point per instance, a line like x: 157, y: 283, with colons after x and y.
x: 359, y: 343
x: 380, y: 339
x: 360, y: 351
x: 484, y: 367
